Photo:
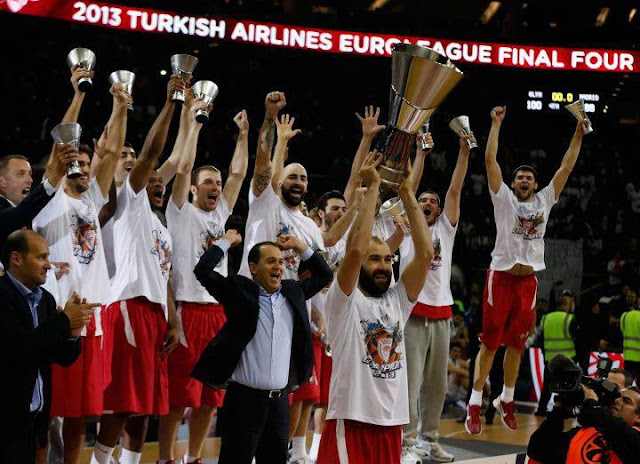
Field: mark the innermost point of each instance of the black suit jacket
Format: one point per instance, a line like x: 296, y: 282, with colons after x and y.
x: 16, y: 217
x: 27, y: 350
x: 239, y: 296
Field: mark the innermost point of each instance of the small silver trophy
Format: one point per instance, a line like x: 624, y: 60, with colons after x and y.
x: 182, y: 65
x: 424, y: 145
x: 69, y: 132
x: 126, y: 78
x: 577, y: 109
x: 330, y: 257
x: 208, y: 91
x: 86, y: 59
x: 394, y: 209
x: 460, y: 126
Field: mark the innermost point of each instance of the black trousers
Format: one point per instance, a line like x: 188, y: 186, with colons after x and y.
x: 20, y: 444
x: 634, y: 368
x: 545, y: 391
x: 254, y: 425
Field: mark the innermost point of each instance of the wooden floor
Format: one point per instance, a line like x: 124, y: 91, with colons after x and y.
x: 449, y: 428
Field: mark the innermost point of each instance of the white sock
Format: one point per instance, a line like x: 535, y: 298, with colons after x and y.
x: 507, y: 394
x: 101, y: 454
x: 129, y: 457
x: 298, y: 449
x: 315, y: 446
x: 189, y: 459
x: 476, y: 398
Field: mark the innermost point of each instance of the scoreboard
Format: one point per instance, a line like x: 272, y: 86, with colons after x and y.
x: 555, y: 100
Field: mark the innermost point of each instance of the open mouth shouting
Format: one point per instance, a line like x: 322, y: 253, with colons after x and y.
x: 212, y: 197
x: 26, y: 191
x: 296, y: 192
x: 128, y: 167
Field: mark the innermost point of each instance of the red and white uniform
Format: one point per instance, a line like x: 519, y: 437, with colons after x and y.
x: 268, y: 218
x: 72, y: 229
x: 142, y: 253
x: 323, y: 362
x: 369, y: 378
x: 509, y: 300
x: 200, y: 315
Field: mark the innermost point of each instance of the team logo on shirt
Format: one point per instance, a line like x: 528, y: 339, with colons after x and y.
x: 84, y: 238
x: 436, y: 262
x: 291, y: 258
x: 162, y: 251
x: 527, y: 225
x: 208, y: 237
x: 381, y: 342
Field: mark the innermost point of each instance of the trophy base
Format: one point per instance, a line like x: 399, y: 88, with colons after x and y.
x: 85, y: 85
x: 129, y: 107
x: 202, y: 117
x: 586, y: 128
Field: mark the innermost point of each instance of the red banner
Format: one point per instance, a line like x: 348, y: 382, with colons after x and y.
x: 323, y: 40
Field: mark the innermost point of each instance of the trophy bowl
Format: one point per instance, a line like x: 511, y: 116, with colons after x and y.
x: 577, y: 109
x: 126, y: 78
x: 182, y: 65
x: 393, y: 208
x: 208, y: 91
x: 460, y: 126
x: 83, y: 58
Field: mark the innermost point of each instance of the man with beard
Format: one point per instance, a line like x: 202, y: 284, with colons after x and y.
x: 199, y: 224
x: 277, y: 191
x: 78, y: 389
x: 428, y: 329
x: 141, y: 335
x: 365, y: 319
x: 521, y: 217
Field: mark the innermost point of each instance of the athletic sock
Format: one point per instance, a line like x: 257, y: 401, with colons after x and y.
x: 476, y: 398
x: 101, y: 454
x: 129, y: 457
x: 298, y: 449
x: 315, y: 446
x: 190, y: 459
x: 507, y: 394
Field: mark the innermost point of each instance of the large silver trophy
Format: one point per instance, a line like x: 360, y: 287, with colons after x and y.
x: 460, y: 126
x: 182, y: 65
x: 86, y: 59
x: 126, y: 78
x: 577, y: 109
x: 208, y: 91
x: 65, y: 133
x: 421, y: 78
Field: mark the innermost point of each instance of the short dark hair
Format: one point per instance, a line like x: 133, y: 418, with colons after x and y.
x: 323, y: 201
x: 254, y: 253
x: 524, y: 168
x: 127, y: 144
x: 628, y: 377
x: 432, y: 192
x: 17, y: 241
x: 197, y: 171
x: 5, y: 160
x: 84, y: 148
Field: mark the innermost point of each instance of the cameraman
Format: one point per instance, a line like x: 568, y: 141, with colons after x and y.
x: 608, y: 434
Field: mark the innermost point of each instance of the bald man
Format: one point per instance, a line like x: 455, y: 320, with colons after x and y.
x: 277, y: 191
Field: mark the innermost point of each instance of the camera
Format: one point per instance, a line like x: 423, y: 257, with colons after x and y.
x: 566, y: 377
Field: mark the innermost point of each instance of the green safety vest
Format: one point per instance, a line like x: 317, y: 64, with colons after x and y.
x: 557, y: 339
x: 630, y: 327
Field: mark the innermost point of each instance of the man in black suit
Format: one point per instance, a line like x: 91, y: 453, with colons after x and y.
x: 264, y: 351
x: 19, y: 203
x: 35, y: 335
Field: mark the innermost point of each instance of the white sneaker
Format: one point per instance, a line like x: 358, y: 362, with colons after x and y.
x: 438, y: 454
x: 409, y: 457
x: 421, y: 448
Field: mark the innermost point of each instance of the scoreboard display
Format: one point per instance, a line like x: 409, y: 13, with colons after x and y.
x: 555, y: 100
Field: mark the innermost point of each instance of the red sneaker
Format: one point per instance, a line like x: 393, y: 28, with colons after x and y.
x: 473, y: 424
x: 507, y: 413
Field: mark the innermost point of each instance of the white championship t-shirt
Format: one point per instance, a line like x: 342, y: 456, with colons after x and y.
x: 194, y: 230
x: 520, y: 228
x: 142, y: 249
x: 366, y: 335
x: 437, y: 287
x: 269, y: 218
x: 72, y: 229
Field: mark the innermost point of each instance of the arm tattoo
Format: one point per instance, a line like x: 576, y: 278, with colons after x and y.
x: 261, y: 180
x: 267, y: 136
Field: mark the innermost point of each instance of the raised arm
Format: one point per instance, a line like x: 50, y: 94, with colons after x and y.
x: 263, y: 170
x: 452, y: 200
x: 360, y: 235
x: 415, y: 273
x: 370, y: 128
x: 418, y: 162
x: 239, y: 162
x: 116, y: 133
x: 154, y: 144
x: 186, y: 144
x: 494, y: 174
x: 285, y: 133
x: 568, y: 161
x: 73, y: 111
x: 336, y: 232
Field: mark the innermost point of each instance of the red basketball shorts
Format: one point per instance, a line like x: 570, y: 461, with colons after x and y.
x: 139, y: 382
x: 77, y: 390
x: 200, y: 323
x: 347, y: 441
x: 507, y: 309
